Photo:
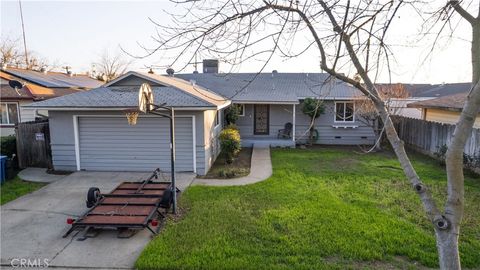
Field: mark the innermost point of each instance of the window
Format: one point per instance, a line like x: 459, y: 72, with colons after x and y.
x: 241, y: 111
x: 9, y: 113
x: 217, y: 118
x: 344, y: 112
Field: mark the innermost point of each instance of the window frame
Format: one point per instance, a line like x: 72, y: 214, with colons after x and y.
x: 242, y: 106
x: 344, y: 111
x: 217, y: 120
x: 8, y: 114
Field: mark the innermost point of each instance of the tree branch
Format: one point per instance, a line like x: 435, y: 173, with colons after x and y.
x: 460, y: 10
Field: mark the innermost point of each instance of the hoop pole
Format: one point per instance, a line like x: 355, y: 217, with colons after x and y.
x: 172, y: 157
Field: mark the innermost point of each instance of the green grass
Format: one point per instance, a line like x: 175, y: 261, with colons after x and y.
x: 12, y: 189
x: 321, y: 209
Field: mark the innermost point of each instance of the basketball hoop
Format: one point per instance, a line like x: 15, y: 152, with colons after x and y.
x: 132, y: 116
x: 145, y: 98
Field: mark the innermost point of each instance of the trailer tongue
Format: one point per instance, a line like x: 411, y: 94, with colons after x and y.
x: 131, y: 206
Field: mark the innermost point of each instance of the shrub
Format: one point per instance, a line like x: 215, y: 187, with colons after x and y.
x: 231, y: 114
x: 313, y: 108
x: 470, y: 162
x: 230, y: 143
x: 8, y: 146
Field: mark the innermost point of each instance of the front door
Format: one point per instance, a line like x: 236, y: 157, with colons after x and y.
x: 261, y: 119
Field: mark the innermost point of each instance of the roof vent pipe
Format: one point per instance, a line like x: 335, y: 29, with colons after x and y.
x: 274, y: 71
x: 170, y: 71
x: 193, y: 82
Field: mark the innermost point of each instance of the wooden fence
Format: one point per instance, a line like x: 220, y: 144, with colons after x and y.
x: 428, y: 137
x: 33, y: 144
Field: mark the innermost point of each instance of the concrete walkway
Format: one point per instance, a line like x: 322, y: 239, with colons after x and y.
x: 260, y: 169
x: 39, y: 175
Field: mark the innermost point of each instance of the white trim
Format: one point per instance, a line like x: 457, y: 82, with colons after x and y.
x: 130, y: 73
x: 344, y: 126
x: 19, y: 120
x: 243, y: 109
x: 335, y: 98
x: 194, y: 144
x: 166, y: 84
x: 294, y: 123
x: 93, y: 109
x: 335, y: 112
x: 218, y: 117
x: 77, y: 141
x: 226, y: 104
x: 265, y: 102
x: 77, y: 135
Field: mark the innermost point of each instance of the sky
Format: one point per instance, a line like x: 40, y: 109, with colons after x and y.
x: 76, y: 33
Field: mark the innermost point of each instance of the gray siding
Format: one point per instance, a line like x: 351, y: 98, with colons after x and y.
x: 110, y: 144
x: 63, y: 140
x: 328, y: 134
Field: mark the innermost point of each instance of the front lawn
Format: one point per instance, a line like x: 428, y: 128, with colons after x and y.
x: 12, y: 189
x: 321, y: 209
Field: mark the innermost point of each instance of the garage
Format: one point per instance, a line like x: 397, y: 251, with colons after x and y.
x: 110, y: 144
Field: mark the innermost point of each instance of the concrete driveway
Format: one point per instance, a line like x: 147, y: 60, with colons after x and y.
x: 32, y: 226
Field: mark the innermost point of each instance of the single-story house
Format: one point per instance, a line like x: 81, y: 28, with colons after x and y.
x: 37, y: 86
x: 445, y: 109
x: 89, y: 130
x: 270, y: 100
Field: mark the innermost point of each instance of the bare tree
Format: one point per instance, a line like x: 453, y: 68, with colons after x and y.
x: 341, y: 34
x: 13, y: 56
x: 111, y: 65
x: 9, y: 52
x: 391, y: 94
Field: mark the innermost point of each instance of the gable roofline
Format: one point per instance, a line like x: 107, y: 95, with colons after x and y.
x: 195, y: 91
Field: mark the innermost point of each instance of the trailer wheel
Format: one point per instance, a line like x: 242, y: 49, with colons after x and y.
x: 93, y: 196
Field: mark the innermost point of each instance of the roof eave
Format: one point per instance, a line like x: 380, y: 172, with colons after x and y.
x: 73, y: 108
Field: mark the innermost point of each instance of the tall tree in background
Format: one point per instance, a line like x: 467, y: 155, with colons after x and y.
x: 12, y: 55
x: 340, y: 33
x: 9, y: 52
x: 110, y: 65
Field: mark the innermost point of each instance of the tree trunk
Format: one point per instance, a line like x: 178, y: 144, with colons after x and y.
x: 447, y: 246
x: 447, y: 241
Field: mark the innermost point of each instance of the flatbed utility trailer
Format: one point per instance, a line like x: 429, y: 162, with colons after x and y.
x: 130, y: 206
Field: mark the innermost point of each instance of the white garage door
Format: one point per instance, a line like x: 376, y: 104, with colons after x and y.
x: 110, y: 144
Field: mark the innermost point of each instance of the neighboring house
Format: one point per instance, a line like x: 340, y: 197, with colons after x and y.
x: 89, y: 130
x: 443, y: 110
x: 421, y: 92
x: 37, y: 86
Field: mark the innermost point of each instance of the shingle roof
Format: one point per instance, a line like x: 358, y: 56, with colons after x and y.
x: 7, y: 92
x: 451, y: 102
x: 273, y: 87
x: 54, y: 79
x: 437, y: 90
x: 186, y: 86
x: 122, y: 97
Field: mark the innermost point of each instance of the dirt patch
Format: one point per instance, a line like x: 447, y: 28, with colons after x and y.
x: 239, y: 168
